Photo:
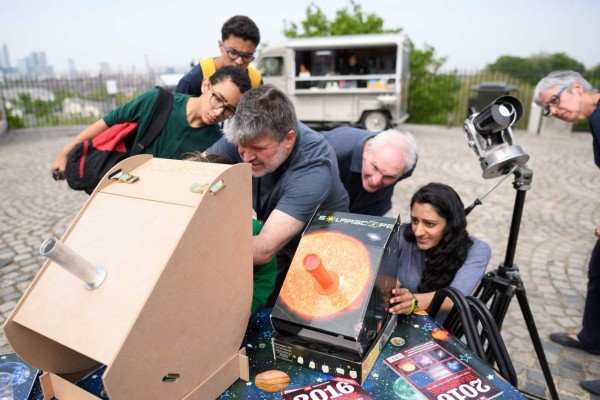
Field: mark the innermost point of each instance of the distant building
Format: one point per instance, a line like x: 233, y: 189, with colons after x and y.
x: 4, y: 58
x: 72, y: 69
x: 105, y: 68
x: 35, y: 65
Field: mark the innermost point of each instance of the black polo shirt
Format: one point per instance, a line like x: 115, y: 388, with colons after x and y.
x: 348, y: 145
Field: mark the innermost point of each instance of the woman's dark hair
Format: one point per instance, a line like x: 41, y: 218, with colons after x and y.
x: 442, y: 261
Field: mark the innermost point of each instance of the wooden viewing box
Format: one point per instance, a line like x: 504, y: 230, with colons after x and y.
x: 169, y: 319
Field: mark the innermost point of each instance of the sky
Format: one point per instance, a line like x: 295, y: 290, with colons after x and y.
x: 469, y: 33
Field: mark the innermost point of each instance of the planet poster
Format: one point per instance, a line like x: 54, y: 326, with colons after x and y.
x: 434, y: 373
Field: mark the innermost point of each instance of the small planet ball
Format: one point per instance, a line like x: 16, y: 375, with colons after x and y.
x: 272, y: 381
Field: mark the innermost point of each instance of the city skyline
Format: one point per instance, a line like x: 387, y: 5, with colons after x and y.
x: 35, y: 64
x: 133, y: 34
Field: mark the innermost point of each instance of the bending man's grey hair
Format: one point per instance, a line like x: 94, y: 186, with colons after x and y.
x: 262, y: 110
x: 560, y: 79
x: 403, y: 141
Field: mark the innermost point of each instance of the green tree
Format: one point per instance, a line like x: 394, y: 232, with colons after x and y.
x: 315, y: 24
x: 345, y: 23
x: 593, y: 76
x: 43, y: 109
x: 431, y: 95
x: 14, y: 121
x: 26, y: 102
x: 514, y: 66
x: 534, y: 68
x: 98, y: 94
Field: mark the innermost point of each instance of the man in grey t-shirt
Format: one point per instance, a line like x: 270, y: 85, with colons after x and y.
x: 294, y: 172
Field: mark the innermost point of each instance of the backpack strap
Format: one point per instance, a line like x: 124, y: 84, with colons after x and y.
x: 158, y: 118
x: 208, y: 67
x: 255, y: 76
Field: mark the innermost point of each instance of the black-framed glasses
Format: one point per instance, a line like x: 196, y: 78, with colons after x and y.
x: 554, y: 101
x: 233, y: 54
x: 218, y: 103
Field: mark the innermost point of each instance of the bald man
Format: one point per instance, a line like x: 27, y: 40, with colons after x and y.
x: 371, y: 164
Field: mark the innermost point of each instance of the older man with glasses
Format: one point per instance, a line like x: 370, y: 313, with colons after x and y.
x: 239, y: 39
x: 568, y: 96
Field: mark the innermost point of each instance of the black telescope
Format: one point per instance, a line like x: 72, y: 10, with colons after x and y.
x: 490, y: 135
x: 503, y: 112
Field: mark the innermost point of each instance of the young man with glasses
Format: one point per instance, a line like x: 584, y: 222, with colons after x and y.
x: 239, y: 39
x: 193, y: 123
x: 568, y: 96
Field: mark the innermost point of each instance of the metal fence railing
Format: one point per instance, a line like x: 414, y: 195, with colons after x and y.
x: 442, y: 98
x: 31, y: 102
x: 445, y: 98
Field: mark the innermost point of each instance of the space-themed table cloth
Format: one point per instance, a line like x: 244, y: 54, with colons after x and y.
x: 420, y: 361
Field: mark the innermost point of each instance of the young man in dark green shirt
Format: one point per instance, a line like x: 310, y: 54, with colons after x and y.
x: 193, y: 123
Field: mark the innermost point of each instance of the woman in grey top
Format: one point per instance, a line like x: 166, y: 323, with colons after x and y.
x: 434, y: 252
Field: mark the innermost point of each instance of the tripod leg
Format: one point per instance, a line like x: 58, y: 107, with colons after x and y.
x: 499, y: 291
x: 537, y: 344
x: 499, y: 305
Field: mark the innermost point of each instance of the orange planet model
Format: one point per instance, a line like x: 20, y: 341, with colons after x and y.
x: 321, y: 255
x: 272, y: 381
x: 440, y: 334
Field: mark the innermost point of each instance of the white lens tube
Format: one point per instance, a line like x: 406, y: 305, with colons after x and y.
x: 61, y: 254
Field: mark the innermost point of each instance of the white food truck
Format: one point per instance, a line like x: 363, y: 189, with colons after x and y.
x: 359, y: 80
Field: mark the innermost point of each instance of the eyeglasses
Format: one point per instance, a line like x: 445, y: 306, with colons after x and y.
x: 554, y: 101
x: 218, y: 103
x: 234, y: 55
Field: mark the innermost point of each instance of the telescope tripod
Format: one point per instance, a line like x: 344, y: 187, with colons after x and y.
x: 501, y: 285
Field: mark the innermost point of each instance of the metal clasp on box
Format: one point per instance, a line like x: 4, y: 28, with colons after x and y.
x: 201, y: 187
x: 123, y: 177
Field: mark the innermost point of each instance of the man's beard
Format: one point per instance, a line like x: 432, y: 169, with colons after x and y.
x: 270, y: 166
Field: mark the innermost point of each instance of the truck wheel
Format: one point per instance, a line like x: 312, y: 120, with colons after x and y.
x: 375, y: 121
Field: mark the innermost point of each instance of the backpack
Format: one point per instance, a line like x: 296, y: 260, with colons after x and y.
x: 91, y: 159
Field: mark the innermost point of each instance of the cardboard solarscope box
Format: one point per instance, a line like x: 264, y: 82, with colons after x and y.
x: 340, y: 325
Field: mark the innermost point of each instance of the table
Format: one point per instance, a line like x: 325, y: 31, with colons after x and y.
x: 386, y: 380
x: 383, y: 382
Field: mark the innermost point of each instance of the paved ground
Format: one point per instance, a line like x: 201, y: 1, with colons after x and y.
x: 555, y: 240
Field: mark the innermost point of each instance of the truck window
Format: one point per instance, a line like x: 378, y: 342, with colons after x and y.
x: 371, y: 68
x: 271, y: 66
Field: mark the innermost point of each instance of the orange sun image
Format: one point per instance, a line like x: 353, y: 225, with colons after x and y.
x: 343, y: 257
